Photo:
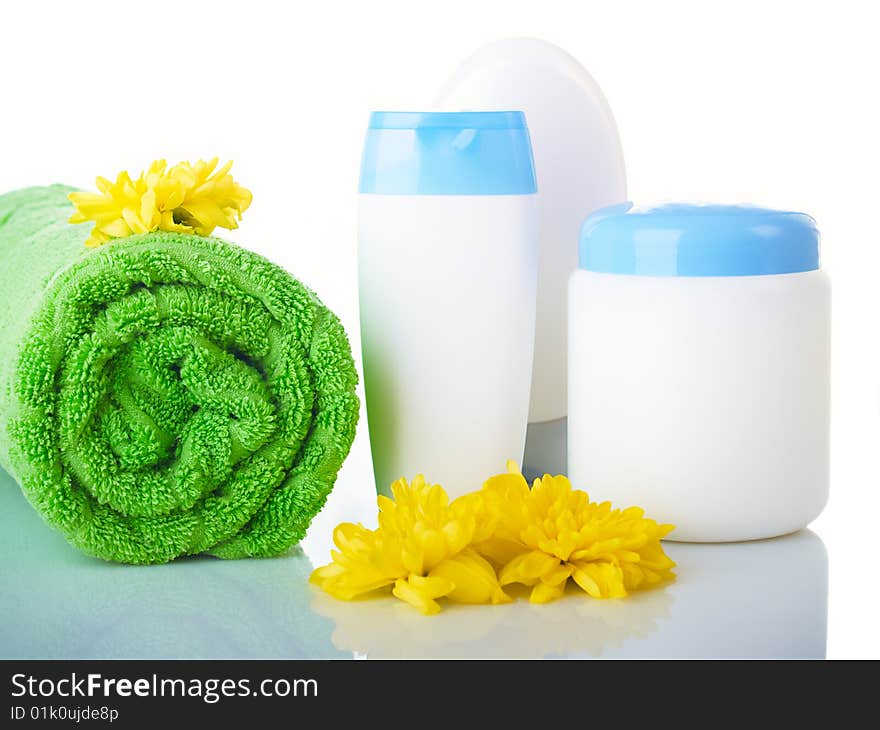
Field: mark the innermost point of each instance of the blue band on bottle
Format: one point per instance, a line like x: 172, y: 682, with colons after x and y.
x: 448, y: 153
x: 698, y: 240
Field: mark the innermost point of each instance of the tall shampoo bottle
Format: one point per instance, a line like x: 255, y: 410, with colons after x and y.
x: 448, y: 248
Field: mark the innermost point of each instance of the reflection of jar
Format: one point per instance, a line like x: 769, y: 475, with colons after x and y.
x: 699, y: 368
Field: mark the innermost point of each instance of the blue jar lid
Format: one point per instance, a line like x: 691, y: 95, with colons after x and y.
x: 448, y: 153
x: 698, y: 240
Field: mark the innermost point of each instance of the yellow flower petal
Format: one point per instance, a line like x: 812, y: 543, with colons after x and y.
x: 472, y: 577
x: 133, y: 221
x: 600, y: 580
x: 509, y: 486
x: 350, y: 536
x: 433, y: 546
x: 433, y: 586
x: 586, y: 581
x: 116, y: 229
x: 543, y: 593
x: 203, y: 214
x: 528, y: 568
x: 558, y: 576
x: 653, y: 556
x: 457, y: 533
x: 421, y: 593
x: 500, y: 550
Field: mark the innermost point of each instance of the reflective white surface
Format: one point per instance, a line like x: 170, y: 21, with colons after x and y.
x: 751, y: 600
x: 760, y: 599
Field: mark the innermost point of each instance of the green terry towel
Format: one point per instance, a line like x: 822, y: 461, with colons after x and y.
x: 165, y: 394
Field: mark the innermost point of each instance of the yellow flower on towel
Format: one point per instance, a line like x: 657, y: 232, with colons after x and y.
x: 551, y: 532
x: 188, y: 198
x: 421, y: 548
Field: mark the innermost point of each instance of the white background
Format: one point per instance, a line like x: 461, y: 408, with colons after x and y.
x: 774, y: 103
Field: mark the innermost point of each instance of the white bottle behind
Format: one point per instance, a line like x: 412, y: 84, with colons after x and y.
x: 448, y: 275
x: 579, y: 166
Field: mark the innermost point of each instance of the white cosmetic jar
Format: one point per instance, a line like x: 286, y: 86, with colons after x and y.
x: 699, y: 351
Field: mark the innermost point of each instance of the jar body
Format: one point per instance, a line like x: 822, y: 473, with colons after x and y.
x: 704, y: 400
x: 447, y: 300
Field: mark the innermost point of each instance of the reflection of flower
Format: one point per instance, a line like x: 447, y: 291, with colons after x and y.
x: 570, y: 626
x: 187, y: 198
x: 421, y: 547
x: 551, y: 533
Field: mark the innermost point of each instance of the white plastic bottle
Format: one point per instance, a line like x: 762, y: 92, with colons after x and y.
x: 699, y: 347
x: 448, y: 274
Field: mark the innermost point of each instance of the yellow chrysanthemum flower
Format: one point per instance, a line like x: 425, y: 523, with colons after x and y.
x: 421, y: 548
x: 551, y: 532
x: 188, y: 198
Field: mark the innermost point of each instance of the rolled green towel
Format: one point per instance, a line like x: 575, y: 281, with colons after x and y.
x: 165, y: 394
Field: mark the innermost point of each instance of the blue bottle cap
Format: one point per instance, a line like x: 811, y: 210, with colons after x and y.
x: 698, y: 240
x: 448, y: 153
